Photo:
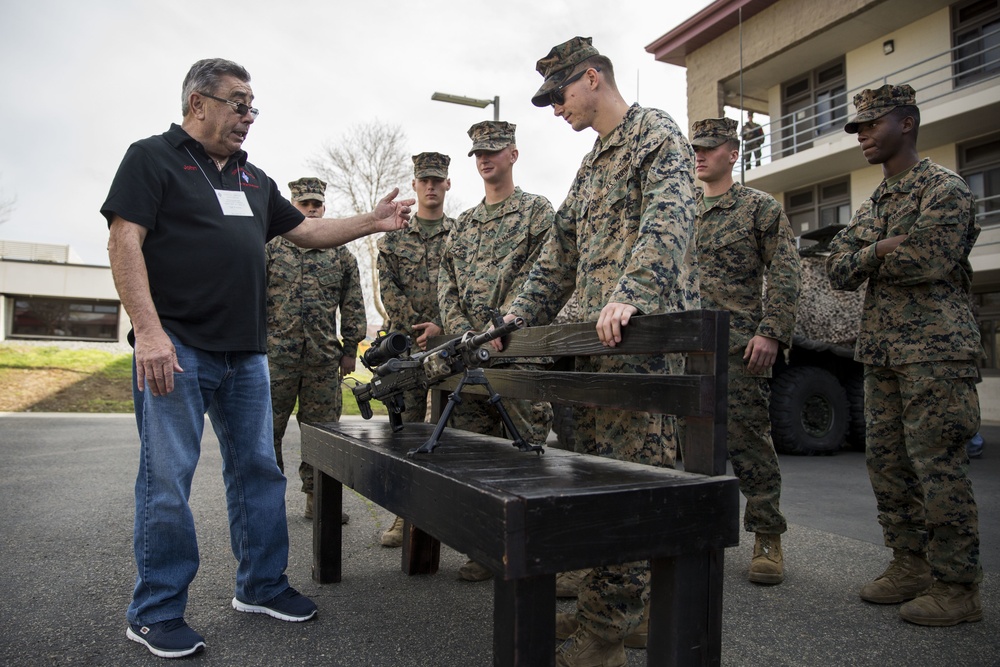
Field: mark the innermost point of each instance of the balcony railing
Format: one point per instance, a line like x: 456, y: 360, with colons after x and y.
x: 933, y: 77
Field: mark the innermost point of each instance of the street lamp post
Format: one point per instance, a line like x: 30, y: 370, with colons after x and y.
x: 470, y: 102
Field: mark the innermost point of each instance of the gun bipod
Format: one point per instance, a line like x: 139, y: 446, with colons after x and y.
x: 475, y: 376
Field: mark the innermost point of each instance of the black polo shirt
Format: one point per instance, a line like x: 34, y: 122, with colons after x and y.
x: 206, y: 269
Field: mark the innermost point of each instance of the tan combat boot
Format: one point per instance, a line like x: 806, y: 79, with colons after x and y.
x: 568, y: 583
x: 945, y: 604
x: 566, y: 625
x: 311, y: 504
x: 768, y: 563
x: 473, y: 571
x: 585, y: 649
x: 908, y: 575
x: 394, y: 536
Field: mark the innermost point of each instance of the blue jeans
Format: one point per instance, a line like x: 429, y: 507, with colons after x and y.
x: 233, y: 388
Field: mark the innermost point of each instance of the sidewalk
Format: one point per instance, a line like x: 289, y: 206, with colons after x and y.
x: 66, y: 521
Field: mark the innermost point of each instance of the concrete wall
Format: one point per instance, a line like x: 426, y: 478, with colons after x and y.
x: 773, y: 30
x: 868, y: 66
x: 57, y: 280
x: 63, y: 281
x: 989, y: 399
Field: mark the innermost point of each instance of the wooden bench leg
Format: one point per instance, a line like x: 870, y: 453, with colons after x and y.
x: 328, y: 505
x: 421, y: 552
x: 685, y: 616
x: 524, y: 622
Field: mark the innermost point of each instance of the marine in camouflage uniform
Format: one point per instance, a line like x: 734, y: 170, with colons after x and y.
x: 742, y: 238
x: 919, y: 343
x: 486, y: 259
x: 622, y: 244
x: 408, y: 265
x: 306, y: 287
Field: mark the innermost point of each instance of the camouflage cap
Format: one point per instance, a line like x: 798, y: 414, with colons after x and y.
x: 872, y: 104
x: 430, y: 165
x: 308, y: 188
x: 713, y: 132
x: 491, y: 135
x: 558, y: 65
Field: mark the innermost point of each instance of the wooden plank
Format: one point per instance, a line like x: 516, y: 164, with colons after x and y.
x: 646, y: 334
x: 685, y: 623
x: 523, y: 514
x: 327, y: 529
x: 686, y: 331
x: 645, y: 392
x: 524, y: 622
x: 421, y: 552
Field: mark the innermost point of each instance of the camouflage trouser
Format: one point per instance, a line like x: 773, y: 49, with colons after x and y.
x: 318, y: 391
x: 414, y: 406
x: 920, y: 417
x: 533, y: 420
x: 751, y: 450
x: 612, y: 597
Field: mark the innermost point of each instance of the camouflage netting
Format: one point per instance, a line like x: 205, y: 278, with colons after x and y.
x: 826, y: 315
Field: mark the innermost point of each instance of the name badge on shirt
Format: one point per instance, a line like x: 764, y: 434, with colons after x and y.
x: 234, y: 202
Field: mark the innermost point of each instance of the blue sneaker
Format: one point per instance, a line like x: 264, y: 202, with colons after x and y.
x: 975, y: 446
x: 289, y: 605
x: 167, y: 639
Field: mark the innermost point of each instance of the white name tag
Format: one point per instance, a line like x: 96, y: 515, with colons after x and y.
x: 234, y: 202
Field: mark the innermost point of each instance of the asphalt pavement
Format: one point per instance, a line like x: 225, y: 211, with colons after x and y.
x: 67, y: 571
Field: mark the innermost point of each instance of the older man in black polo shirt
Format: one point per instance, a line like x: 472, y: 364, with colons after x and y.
x: 188, y: 219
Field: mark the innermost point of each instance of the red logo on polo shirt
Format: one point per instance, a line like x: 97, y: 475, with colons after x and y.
x: 190, y: 167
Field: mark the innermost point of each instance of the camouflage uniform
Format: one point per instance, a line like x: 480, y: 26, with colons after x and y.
x: 305, y: 289
x: 486, y: 259
x: 753, y: 138
x: 408, y: 264
x: 624, y: 234
x: 919, y: 342
x: 741, y: 239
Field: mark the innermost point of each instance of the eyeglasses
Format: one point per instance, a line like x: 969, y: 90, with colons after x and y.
x: 556, y: 96
x: 240, y: 108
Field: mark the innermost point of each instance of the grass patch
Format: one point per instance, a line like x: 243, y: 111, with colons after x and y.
x: 80, y: 361
x: 54, y: 379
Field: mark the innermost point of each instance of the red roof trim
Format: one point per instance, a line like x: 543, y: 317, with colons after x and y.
x: 710, y: 23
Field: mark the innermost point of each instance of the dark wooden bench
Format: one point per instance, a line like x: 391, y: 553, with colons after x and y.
x: 528, y: 516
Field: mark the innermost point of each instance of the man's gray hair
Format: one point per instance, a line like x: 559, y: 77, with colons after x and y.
x: 205, y: 76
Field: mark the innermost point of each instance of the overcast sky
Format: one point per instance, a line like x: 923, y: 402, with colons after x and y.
x: 83, y: 80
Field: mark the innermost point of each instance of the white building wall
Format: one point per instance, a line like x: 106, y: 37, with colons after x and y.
x: 868, y: 66
x: 56, y: 280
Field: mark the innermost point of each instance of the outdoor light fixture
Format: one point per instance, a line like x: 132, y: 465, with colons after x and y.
x: 888, y: 47
x: 470, y: 102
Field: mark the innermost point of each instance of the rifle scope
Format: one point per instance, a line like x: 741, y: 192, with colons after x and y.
x: 385, y: 347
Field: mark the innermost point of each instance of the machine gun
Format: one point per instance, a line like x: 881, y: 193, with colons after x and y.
x: 394, y: 371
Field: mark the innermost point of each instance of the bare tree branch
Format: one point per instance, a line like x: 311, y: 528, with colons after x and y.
x: 360, y: 168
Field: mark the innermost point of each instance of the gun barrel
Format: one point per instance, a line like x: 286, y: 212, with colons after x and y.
x: 497, y: 332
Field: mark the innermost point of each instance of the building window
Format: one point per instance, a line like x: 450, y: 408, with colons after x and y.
x: 37, y: 317
x: 976, y: 38
x: 979, y: 165
x: 819, y: 206
x: 812, y: 104
x: 986, y: 306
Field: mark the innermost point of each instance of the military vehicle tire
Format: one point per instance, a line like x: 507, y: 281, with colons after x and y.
x: 855, y: 389
x: 809, y: 411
